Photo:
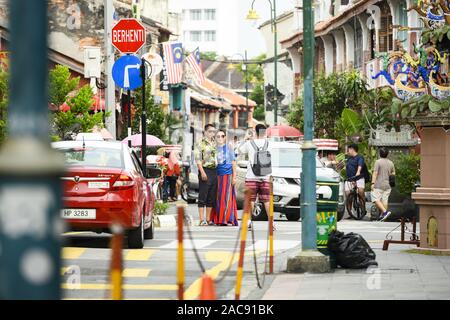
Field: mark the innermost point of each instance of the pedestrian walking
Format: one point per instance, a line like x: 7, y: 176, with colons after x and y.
x: 225, y: 212
x: 205, y: 154
x: 356, y: 173
x: 173, y: 173
x: 259, y: 168
x: 382, y: 180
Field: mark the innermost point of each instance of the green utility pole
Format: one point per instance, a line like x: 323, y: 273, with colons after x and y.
x: 30, y: 185
x: 308, y: 179
x: 309, y: 259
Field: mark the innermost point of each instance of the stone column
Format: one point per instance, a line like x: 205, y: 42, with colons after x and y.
x: 328, y: 45
x: 296, y: 66
x: 340, y: 49
x: 350, y: 45
x: 366, y: 41
x: 433, y: 197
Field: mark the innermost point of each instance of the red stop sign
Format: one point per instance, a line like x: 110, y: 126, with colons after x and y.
x: 128, y: 35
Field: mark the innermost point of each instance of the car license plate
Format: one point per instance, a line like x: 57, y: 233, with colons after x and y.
x: 79, y: 213
x: 98, y: 185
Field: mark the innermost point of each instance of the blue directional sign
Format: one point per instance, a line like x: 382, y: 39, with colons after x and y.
x: 126, y: 72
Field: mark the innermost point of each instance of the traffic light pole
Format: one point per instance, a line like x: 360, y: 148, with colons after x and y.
x: 30, y: 184
x: 110, y: 93
x: 143, y: 119
x: 309, y: 259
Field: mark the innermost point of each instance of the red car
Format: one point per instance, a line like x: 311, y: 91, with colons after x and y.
x: 105, y: 183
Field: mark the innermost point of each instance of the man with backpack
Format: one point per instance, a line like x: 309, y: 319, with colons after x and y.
x: 259, y: 168
x: 357, y: 173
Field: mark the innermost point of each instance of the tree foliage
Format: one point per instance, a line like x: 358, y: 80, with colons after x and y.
x: 407, y: 172
x: 61, y: 84
x: 255, y: 77
x: 155, y: 115
x: 332, y: 94
x: 79, y: 118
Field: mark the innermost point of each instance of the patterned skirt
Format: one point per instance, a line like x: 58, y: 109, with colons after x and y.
x: 226, y: 209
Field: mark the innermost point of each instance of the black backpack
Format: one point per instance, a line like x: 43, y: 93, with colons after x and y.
x: 262, y: 164
x: 365, y: 173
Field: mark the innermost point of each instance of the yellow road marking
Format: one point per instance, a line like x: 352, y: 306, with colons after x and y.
x: 70, y: 253
x: 139, y: 254
x: 107, y: 286
x: 135, y: 273
x: 224, y: 257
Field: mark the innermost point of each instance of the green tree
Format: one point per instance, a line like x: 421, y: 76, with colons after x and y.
x: 155, y: 115
x: 79, y: 118
x: 332, y: 94
x: 3, y: 105
x: 61, y: 84
x: 255, y: 79
x: 407, y: 172
x: 208, y: 55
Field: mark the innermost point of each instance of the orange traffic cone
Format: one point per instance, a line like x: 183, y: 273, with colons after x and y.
x: 208, y: 292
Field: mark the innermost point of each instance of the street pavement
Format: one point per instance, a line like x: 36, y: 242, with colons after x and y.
x: 150, y: 273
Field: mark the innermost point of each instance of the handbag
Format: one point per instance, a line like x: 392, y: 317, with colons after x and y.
x: 392, y: 180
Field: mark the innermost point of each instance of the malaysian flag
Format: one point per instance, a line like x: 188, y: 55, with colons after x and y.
x: 173, y: 58
x: 194, y: 61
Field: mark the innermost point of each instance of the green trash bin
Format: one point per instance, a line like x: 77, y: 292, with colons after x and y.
x: 327, y: 207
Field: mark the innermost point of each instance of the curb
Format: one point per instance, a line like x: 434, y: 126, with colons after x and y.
x: 170, y: 220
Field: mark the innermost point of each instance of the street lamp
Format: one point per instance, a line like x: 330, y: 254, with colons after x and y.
x: 252, y: 15
x: 245, y: 68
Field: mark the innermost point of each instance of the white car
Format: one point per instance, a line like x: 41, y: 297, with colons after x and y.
x: 286, y: 170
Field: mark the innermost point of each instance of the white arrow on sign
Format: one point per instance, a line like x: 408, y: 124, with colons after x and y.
x: 126, y: 74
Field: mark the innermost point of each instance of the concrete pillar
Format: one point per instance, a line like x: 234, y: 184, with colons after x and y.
x: 250, y: 115
x: 340, y: 49
x: 296, y: 59
x: 328, y: 45
x: 217, y: 117
x: 395, y: 20
x: 375, y: 19
x: 413, y: 22
x: 350, y: 46
x: 366, y: 54
x: 433, y: 197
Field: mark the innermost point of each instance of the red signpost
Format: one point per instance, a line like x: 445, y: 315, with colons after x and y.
x: 128, y: 35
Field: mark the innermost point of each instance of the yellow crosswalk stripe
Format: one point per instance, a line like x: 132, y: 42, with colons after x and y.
x: 107, y: 286
x: 135, y: 273
x: 70, y: 253
x: 139, y: 254
x: 211, y: 256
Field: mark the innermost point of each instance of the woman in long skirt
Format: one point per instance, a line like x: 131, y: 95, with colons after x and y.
x: 225, y: 212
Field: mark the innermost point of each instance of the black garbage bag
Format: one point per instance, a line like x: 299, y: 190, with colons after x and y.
x: 351, y: 250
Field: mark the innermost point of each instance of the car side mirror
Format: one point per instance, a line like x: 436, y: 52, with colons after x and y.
x: 153, y: 173
x: 242, y: 163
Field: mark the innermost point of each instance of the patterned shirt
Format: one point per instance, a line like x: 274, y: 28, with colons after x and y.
x: 206, y: 152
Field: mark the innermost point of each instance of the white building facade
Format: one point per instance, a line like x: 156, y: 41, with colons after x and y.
x: 220, y: 25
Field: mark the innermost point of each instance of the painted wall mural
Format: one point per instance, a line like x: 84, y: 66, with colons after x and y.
x: 425, y: 71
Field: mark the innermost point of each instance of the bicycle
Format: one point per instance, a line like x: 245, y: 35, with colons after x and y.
x: 184, y: 189
x: 354, y: 203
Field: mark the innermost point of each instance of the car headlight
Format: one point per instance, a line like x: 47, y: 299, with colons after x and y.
x: 279, y: 180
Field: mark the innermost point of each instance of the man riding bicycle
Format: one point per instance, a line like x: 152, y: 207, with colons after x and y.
x: 354, y: 170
